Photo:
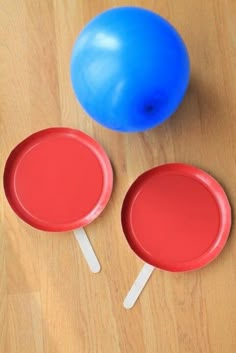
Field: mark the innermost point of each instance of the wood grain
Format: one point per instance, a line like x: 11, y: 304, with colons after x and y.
x: 49, y: 302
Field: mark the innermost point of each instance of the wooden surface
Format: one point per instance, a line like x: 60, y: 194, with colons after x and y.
x: 49, y: 301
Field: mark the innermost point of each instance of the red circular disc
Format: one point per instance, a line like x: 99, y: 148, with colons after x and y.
x: 176, y: 217
x: 58, y: 179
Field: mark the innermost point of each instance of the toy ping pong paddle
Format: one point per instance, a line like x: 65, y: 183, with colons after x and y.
x: 175, y: 217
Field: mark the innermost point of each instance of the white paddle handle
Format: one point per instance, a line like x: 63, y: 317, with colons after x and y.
x: 87, y: 250
x: 138, y: 286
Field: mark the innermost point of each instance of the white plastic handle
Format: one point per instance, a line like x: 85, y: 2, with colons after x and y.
x: 87, y: 250
x: 138, y: 286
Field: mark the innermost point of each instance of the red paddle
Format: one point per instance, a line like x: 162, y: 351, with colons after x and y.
x: 59, y: 179
x: 175, y: 217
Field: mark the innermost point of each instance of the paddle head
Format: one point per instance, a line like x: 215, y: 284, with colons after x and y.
x: 176, y: 217
x: 58, y: 179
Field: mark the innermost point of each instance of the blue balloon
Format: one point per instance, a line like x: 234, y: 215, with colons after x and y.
x: 129, y: 69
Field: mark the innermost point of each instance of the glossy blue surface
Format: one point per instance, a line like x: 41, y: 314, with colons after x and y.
x: 129, y: 69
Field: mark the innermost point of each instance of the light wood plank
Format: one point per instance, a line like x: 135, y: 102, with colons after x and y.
x: 49, y: 301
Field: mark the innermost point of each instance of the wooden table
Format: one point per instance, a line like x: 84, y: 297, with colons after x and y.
x: 49, y: 301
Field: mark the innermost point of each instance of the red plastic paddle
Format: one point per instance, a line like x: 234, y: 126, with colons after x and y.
x: 59, y: 179
x: 175, y: 217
